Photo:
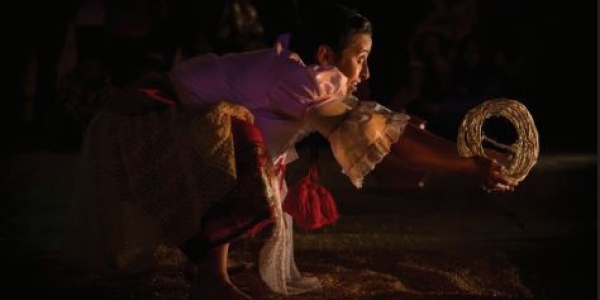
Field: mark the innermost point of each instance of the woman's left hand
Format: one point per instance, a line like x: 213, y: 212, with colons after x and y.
x: 492, y: 175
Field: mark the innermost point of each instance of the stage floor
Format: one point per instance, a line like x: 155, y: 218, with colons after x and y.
x: 447, y: 240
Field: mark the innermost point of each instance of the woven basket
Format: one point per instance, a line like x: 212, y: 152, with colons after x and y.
x: 524, y: 151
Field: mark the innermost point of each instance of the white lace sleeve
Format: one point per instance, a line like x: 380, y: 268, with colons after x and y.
x: 365, y: 137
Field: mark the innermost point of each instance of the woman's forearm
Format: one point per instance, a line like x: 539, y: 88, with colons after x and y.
x: 422, y: 150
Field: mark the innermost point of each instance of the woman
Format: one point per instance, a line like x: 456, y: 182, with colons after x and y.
x: 286, y: 92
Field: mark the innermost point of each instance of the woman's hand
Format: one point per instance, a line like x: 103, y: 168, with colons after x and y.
x: 491, y: 173
x: 503, y: 158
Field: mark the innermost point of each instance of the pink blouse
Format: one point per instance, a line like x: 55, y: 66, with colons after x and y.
x: 278, y: 89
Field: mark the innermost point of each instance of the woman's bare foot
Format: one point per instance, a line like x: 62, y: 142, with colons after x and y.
x: 209, y: 277
x: 215, y: 289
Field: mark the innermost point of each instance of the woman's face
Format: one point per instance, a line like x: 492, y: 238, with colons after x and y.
x: 353, y: 61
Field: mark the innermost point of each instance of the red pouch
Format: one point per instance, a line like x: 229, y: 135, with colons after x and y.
x: 310, y: 204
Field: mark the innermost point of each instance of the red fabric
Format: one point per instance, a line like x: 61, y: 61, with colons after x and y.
x: 248, y: 137
x: 310, y: 204
x: 245, y: 134
x: 156, y: 95
x: 246, y: 209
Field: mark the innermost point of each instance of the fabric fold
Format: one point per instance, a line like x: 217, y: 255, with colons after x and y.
x: 365, y: 137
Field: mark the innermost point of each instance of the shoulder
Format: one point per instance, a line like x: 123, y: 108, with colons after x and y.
x: 306, y: 86
x: 318, y: 81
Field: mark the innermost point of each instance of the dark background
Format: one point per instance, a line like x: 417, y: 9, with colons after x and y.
x: 558, y: 82
x: 555, y: 44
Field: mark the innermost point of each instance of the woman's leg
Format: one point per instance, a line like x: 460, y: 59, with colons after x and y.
x: 243, y: 209
x: 212, y: 280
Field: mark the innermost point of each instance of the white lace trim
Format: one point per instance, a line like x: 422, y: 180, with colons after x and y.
x: 375, y: 155
x: 276, y: 263
x: 379, y: 144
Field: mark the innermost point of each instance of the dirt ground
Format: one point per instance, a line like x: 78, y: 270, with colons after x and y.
x: 447, y: 241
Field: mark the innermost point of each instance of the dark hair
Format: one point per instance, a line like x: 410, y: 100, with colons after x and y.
x: 334, y: 25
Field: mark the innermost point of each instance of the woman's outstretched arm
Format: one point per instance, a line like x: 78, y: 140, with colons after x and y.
x: 422, y: 150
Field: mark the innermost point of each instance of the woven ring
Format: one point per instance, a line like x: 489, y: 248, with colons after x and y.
x: 523, y: 152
